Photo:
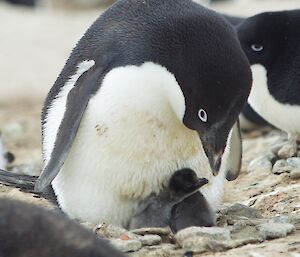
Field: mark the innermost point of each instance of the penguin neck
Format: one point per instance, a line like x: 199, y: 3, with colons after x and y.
x: 148, y: 88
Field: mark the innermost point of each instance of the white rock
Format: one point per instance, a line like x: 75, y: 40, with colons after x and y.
x: 295, y: 174
x: 150, y: 240
x: 273, y: 230
x: 126, y: 246
x: 288, y: 150
x: 281, y: 166
x: 215, y: 233
x: 261, y: 164
x: 294, y: 162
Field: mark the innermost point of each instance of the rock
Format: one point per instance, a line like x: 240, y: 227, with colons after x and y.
x: 294, y: 162
x: 150, y: 240
x: 289, y: 149
x: 109, y: 231
x: 277, y: 147
x: 214, y: 233
x: 261, y: 164
x: 273, y: 230
x: 126, y: 246
x: 24, y: 169
x: 241, y: 210
x: 151, y: 231
x: 295, y: 174
x: 281, y: 219
x: 280, y: 167
x: 163, y: 250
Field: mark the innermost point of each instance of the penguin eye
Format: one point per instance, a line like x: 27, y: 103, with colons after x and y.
x: 257, y: 48
x: 202, y: 115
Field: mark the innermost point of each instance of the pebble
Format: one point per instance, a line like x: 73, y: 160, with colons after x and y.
x: 261, y: 164
x: 126, y: 246
x: 241, y: 210
x: 150, y: 240
x: 109, y: 231
x: 289, y: 149
x: 272, y: 230
x: 295, y: 174
x: 214, y: 233
x: 151, y: 231
x: 281, y: 166
x: 294, y: 162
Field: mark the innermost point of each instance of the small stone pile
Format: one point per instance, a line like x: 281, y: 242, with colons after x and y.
x: 284, y: 157
x: 238, y: 225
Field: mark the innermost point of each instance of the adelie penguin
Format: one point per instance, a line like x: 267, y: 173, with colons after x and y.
x: 271, y: 43
x: 249, y: 119
x: 152, y: 87
x: 30, y: 231
x: 178, y: 206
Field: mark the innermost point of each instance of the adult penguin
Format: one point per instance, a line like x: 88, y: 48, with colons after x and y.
x: 153, y: 86
x: 271, y: 43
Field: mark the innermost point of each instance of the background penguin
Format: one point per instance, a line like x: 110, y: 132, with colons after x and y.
x: 5, y: 156
x: 30, y: 231
x: 156, y: 210
x: 271, y: 43
x: 149, y: 85
x: 249, y: 119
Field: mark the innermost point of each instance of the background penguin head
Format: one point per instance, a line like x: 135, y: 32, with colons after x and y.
x: 271, y: 40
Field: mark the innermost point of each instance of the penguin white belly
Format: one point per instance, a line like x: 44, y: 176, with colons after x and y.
x: 284, y: 116
x: 129, y: 143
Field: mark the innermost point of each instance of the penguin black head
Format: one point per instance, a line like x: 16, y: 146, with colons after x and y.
x: 185, y: 181
x: 215, y: 77
x: 271, y: 40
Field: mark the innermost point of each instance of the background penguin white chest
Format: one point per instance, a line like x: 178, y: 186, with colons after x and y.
x: 284, y: 116
x: 130, y: 141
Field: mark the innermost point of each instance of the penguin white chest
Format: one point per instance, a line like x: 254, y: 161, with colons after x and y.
x: 130, y: 141
x: 283, y: 116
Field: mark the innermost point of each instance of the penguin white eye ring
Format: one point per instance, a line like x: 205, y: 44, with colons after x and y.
x: 257, y: 47
x: 202, y: 115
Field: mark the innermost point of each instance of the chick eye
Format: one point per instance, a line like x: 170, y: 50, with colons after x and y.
x: 257, y: 48
x: 202, y: 115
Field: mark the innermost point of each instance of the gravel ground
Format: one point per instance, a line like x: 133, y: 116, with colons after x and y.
x: 34, y: 46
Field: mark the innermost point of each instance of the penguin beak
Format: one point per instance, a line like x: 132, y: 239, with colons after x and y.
x: 214, y: 147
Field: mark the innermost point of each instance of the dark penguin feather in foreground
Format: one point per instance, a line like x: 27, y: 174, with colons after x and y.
x: 30, y: 231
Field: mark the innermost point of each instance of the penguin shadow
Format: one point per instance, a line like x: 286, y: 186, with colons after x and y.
x: 178, y: 206
x: 31, y: 231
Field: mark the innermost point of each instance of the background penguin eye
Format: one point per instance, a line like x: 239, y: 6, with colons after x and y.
x: 257, y: 48
x: 202, y: 115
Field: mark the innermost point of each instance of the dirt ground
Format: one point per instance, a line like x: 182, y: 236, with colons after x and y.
x: 34, y: 45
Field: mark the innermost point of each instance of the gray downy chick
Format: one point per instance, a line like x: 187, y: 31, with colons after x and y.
x: 156, y: 210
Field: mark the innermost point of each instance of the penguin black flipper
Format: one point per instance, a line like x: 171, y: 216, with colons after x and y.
x: 81, y: 93
x: 233, y: 153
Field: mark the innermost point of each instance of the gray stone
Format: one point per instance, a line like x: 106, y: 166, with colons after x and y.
x: 280, y: 219
x: 289, y: 149
x: 150, y: 240
x: 151, y: 231
x: 104, y: 230
x: 280, y: 167
x: 277, y: 147
x: 261, y: 164
x: 163, y: 250
x: 273, y: 230
x: 214, y: 233
x: 241, y: 210
x: 294, y: 162
x: 126, y: 246
x: 295, y: 174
